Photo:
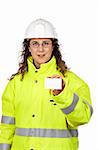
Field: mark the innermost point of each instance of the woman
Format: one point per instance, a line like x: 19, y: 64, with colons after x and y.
x: 40, y: 112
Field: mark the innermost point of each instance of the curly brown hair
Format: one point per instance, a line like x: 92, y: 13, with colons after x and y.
x: 23, y: 66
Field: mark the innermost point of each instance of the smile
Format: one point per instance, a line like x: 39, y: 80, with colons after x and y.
x: 40, y: 55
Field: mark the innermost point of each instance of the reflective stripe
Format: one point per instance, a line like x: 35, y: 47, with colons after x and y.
x: 71, y: 108
x: 8, y: 120
x: 5, y: 146
x: 91, y: 109
x: 37, y: 132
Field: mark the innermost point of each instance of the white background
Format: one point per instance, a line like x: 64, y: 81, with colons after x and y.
x: 76, y: 22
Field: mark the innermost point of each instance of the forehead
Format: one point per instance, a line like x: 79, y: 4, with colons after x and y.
x: 40, y: 39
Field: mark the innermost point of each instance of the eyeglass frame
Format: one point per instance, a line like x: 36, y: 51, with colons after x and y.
x: 38, y: 44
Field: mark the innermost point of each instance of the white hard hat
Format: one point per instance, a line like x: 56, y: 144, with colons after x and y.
x: 40, y: 28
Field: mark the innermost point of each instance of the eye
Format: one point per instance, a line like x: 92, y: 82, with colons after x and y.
x: 34, y: 43
x: 46, y: 43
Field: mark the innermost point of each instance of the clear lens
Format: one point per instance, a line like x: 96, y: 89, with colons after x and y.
x: 45, y: 44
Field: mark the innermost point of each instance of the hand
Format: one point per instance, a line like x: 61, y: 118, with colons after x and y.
x: 56, y: 92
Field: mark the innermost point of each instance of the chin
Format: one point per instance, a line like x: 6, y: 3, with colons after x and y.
x: 43, y: 61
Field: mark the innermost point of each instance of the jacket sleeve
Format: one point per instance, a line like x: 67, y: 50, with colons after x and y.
x: 75, y: 103
x: 7, y: 125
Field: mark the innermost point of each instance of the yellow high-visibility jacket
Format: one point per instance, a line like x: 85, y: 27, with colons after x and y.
x: 34, y: 119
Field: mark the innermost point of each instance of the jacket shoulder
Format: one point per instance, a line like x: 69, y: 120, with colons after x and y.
x: 14, y: 80
x: 75, y: 80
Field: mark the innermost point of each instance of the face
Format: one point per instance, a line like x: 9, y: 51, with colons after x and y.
x: 41, y: 50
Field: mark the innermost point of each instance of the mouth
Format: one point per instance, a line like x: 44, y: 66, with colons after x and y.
x: 41, y: 55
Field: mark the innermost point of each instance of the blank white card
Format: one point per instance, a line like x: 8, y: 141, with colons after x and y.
x: 53, y: 83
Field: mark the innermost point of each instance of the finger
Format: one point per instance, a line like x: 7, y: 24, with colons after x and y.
x: 56, y: 76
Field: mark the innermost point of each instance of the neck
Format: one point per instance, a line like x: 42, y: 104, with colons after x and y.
x: 36, y: 65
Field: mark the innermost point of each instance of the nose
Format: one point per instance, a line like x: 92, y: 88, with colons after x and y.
x: 41, y: 48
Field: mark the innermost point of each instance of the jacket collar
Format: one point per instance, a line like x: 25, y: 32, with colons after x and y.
x: 46, y: 67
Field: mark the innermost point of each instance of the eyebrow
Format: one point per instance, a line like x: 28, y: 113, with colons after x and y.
x: 42, y: 41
